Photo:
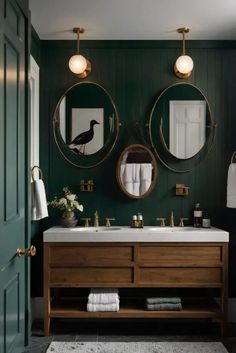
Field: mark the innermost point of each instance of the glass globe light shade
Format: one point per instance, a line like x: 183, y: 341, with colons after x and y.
x: 77, y: 64
x: 184, y: 64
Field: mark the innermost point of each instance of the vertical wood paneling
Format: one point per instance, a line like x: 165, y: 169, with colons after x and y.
x: 135, y: 73
x: 134, y: 78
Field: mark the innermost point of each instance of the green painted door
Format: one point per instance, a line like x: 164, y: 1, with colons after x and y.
x: 13, y: 220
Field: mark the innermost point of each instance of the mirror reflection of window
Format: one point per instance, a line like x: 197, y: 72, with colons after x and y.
x: 187, y: 127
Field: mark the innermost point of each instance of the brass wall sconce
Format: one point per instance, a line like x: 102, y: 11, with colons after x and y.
x: 181, y: 190
x: 184, y: 64
x: 78, y: 64
x: 86, y: 186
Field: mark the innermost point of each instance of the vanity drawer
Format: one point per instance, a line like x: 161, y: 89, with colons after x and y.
x: 180, y: 255
x: 180, y: 276
x: 88, y: 255
x: 96, y: 275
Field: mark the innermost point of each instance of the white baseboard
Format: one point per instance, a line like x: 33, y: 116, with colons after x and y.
x: 37, y: 309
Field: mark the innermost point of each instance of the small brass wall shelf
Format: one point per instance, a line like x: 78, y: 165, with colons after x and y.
x: 86, y: 186
x: 181, y: 190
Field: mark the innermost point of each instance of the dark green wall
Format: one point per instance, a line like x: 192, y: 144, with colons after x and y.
x: 135, y: 73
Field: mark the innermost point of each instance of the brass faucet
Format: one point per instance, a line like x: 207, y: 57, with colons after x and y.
x: 108, y: 223
x: 96, y: 219
x: 172, y: 222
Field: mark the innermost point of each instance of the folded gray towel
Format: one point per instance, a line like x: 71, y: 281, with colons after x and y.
x: 159, y: 300
x: 163, y: 307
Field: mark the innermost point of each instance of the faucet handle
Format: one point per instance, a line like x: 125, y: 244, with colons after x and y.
x: 108, y: 223
x: 163, y: 221
x: 181, y: 221
x: 86, y: 219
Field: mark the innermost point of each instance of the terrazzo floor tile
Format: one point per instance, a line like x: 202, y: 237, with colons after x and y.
x: 136, y: 347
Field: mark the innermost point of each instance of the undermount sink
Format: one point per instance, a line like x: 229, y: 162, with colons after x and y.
x: 127, y: 234
x: 93, y: 229
x: 171, y: 229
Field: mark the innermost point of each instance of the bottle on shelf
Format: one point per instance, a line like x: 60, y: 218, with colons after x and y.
x: 206, y: 221
x: 197, y: 216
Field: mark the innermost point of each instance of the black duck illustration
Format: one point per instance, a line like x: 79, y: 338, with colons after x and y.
x: 80, y: 141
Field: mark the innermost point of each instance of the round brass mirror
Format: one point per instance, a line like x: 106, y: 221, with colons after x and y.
x: 181, y: 128
x: 136, y: 171
x: 86, y: 124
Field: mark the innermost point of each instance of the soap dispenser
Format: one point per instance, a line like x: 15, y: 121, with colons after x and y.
x: 197, y: 216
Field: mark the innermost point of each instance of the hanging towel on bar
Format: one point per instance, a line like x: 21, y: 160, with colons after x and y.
x: 39, y: 201
x: 231, y: 184
x: 145, y: 177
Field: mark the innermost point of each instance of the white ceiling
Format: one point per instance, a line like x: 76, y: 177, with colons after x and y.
x: 134, y: 19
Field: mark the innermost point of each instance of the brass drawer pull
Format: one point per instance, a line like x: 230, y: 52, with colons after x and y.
x: 26, y: 252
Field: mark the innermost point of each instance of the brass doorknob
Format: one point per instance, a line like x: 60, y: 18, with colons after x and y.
x: 26, y: 252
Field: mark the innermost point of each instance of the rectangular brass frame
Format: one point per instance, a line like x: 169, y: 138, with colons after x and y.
x: 181, y: 190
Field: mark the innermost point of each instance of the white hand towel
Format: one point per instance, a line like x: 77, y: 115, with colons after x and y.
x: 231, y: 186
x: 127, y: 178
x: 103, y: 307
x: 145, y: 177
x: 103, y: 298
x: 39, y: 201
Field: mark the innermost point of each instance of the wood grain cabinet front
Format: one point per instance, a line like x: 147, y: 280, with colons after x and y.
x: 135, y: 265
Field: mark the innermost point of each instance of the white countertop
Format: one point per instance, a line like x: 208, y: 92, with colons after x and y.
x: 123, y: 234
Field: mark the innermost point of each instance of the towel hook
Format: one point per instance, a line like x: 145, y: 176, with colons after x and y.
x: 33, y: 172
x: 233, y: 157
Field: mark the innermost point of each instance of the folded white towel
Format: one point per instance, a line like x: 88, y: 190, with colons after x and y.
x: 231, y: 186
x: 103, y: 298
x: 103, y: 307
x: 39, y: 201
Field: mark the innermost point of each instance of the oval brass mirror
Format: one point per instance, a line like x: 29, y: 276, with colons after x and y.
x: 181, y: 128
x: 136, y: 171
x: 86, y: 124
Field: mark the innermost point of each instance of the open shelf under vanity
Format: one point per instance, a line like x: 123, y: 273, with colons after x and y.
x: 135, y: 308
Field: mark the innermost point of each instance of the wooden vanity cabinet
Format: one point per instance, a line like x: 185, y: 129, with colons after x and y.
x: 135, y: 265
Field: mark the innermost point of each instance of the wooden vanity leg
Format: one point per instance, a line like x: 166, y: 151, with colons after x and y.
x: 47, y: 309
x: 47, y: 293
x: 224, y: 292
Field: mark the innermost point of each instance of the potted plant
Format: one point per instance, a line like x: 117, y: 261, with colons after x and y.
x: 68, y: 204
